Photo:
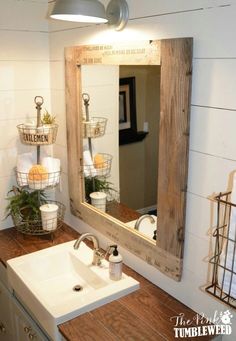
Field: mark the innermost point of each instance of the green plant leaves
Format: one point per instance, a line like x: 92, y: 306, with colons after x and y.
x: 25, y: 203
x: 94, y: 184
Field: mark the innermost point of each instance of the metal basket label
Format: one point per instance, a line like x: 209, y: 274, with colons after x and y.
x: 42, y: 138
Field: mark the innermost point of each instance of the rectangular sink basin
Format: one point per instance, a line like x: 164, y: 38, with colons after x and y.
x: 59, y: 283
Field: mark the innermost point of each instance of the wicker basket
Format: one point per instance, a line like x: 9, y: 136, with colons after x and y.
x: 95, y: 127
x: 34, y: 227
x: 41, y: 181
x: 99, y: 169
x: 43, y: 135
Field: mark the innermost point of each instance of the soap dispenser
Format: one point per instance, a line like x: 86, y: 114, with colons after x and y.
x: 115, y: 264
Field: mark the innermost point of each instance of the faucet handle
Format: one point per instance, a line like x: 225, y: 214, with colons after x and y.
x: 98, y: 255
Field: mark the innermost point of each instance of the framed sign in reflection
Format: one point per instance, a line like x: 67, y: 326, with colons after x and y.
x: 127, y: 104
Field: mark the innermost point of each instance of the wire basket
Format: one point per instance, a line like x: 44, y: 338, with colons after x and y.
x: 38, y: 181
x: 95, y: 127
x: 38, y: 226
x: 43, y: 135
x: 223, y: 284
x: 101, y: 166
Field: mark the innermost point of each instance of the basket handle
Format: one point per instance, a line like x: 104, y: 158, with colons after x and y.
x: 38, y: 100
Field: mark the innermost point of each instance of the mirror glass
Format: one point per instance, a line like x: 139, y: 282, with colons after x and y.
x: 94, y: 153
x: 121, y: 109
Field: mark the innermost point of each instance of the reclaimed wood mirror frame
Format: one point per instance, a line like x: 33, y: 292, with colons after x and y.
x: 175, y: 58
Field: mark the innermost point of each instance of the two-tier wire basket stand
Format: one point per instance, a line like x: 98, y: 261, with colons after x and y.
x: 39, y: 135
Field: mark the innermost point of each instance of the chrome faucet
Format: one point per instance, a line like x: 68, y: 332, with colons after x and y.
x: 97, y: 255
x: 145, y: 216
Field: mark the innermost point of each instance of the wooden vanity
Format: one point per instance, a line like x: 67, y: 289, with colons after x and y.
x: 143, y: 315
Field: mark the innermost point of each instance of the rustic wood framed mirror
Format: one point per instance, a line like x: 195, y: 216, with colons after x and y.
x: 175, y: 59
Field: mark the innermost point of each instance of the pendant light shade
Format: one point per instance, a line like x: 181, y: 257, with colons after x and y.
x: 91, y: 11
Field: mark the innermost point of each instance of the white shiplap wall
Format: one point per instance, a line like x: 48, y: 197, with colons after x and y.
x: 24, y: 73
x: 213, y: 120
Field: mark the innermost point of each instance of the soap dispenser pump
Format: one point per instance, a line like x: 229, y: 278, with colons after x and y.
x: 115, y: 264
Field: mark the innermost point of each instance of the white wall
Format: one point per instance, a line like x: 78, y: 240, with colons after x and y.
x: 213, y: 119
x: 101, y: 82
x: 24, y: 74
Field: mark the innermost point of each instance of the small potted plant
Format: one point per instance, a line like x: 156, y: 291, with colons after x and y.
x: 23, y: 205
x: 49, y: 126
x: 48, y: 119
x: 95, y: 184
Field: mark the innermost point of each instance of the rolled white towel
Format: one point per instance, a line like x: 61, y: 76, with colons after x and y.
x: 89, y: 169
x: 24, y: 162
x: 53, y: 165
x: 30, y: 127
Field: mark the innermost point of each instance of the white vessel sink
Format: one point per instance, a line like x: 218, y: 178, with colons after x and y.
x: 145, y: 227
x: 44, y: 281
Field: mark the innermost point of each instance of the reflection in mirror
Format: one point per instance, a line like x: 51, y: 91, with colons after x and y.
x: 126, y: 172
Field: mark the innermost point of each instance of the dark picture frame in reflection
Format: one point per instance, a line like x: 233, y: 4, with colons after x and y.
x: 127, y: 104
x: 124, y: 112
x: 127, y: 112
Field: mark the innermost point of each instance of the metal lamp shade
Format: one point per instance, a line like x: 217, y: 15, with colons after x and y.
x: 91, y: 11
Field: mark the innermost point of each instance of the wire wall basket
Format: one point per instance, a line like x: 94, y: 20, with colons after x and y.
x: 42, y: 135
x: 94, y: 128
x: 38, y: 180
x: 223, y: 284
x: 100, y: 167
x: 39, y: 226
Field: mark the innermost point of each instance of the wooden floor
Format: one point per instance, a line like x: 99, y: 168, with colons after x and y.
x: 144, y: 315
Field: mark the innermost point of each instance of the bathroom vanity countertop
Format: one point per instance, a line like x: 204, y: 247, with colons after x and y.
x: 122, y: 212
x: 142, y: 315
